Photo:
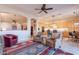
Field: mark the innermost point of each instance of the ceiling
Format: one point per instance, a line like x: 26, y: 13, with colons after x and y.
x: 30, y: 9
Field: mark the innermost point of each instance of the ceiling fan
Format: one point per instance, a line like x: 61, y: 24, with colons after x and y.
x: 44, y: 9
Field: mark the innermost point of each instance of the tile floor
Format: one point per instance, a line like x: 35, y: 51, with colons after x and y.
x: 69, y: 46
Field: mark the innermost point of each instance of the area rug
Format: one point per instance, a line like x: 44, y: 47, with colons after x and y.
x: 33, y: 48
x: 51, y: 51
x: 48, y: 51
x: 61, y: 52
x: 25, y: 48
x: 17, y: 47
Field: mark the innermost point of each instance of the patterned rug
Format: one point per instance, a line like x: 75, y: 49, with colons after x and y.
x: 17, y: 47
x: 33, y: 48
x: 61, y: 52
x: 50, y: 51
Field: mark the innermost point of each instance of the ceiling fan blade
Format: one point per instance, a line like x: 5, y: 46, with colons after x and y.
x: 40, y: 11
x: 49, y: 8
x: 45, y: 11
x: 37, y: 9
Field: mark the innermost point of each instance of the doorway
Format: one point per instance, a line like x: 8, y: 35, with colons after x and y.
x: 33, y: 27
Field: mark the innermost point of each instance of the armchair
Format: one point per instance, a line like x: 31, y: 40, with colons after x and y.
x: 50, y: 42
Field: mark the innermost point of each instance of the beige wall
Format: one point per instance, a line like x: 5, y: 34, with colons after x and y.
x: 61, y: 23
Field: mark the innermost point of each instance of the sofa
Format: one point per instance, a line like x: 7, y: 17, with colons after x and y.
x: 48, y: 41
x: 38, y: 38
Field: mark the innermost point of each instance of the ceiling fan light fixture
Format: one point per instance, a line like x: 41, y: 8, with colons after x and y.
x: 44, y: 9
